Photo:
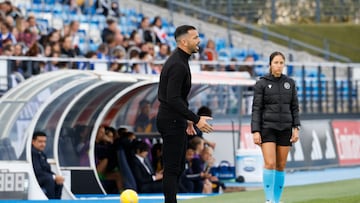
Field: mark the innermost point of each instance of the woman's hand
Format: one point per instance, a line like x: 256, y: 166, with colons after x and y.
x: 257, y: 138
x: 295, y: 135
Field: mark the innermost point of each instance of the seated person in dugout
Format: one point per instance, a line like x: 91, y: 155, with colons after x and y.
x: 144, y: 122
x: 201, y: 165
x: 147, y: 180
x: 49, y: 182
x: 106, y: 167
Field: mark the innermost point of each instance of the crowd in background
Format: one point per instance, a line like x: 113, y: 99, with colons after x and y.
x: 22, y: 35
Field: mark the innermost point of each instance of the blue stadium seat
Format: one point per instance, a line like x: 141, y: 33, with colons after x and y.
x: 220, y: 43
x: 50, y: 2
x: 37, y: 1
x: 239, y: 54
x: 224, y: 55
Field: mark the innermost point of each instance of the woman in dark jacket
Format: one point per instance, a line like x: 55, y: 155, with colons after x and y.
x: 275, y: 124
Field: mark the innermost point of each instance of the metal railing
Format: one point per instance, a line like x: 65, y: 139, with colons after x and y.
x: 323, y: 88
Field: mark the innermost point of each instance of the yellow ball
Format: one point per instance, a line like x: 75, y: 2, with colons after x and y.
x: 129, y: 196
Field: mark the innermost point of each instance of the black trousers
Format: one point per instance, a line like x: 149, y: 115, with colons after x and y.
x: 51, y: 189
x: 174, y: 137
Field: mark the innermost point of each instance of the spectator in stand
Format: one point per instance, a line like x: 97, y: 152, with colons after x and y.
x: 53, y: 37
x: 74, y: 33
x: 18, y: 51
x: 145, y: 31
x: 104, y: 7
x: 67, y: 47
x: 23, y: 33
x: 9, y: 10
x: 111, y: 43
x: 118, y: 53
x: 135, y: 39
x: 33, y: 26
x: 49, y: 182
x: 120, y: 39
x: 56, y: 47
x: 114, y: 9
x: 147, y: 67
x: 8, y: 50
x: 30, y: 67
x: 5, y: 33
x: 151, y: 49
x: 111, y: 29
x: 65, y: 31
x: 232, y: 67
x: 47, y: 50
x: 103, y: 51
x: 68, y: 50
x: 161, y: 36
x: 250, y: 68
x: 164, y: 52
x: 210, y: 52
x: 52, y: 65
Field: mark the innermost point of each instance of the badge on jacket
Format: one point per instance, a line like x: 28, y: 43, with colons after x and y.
x: 287, y: 85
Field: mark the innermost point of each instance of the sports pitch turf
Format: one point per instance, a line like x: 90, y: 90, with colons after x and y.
x: 334, y: 192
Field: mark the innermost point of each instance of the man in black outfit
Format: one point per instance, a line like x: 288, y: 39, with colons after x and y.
x: 49, y: 182
x: 174, y: 119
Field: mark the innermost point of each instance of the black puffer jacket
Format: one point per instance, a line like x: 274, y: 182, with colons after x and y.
x: 275, y: 104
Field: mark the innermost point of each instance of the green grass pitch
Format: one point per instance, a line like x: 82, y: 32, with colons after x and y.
x: 333, y: 192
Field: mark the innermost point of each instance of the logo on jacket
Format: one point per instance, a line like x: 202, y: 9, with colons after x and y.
x: 287, y: 85
x: 269, y: 86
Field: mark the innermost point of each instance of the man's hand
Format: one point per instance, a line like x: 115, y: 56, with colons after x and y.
x: 190, y: 130
x: 203, y: 125
x: 59, y: 179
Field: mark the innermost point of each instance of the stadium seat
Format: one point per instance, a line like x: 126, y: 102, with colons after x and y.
x: 37, y: 1
x: 224, y: 55
x: 49, y: 2
x: 239, y: 54
x: 220, y: 43
x: 129, y: 180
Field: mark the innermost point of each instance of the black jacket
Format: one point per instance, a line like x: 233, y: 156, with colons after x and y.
x: 144, y: 180
x: 174, y: 87
x: 41, y: 167
x: 275, y: 104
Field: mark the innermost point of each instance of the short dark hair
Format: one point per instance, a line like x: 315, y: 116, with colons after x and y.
x: 38, y: 134
x: 183, y: 29
x: 141, y: 146
x: 110, y: 21
x: 204, y: 111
